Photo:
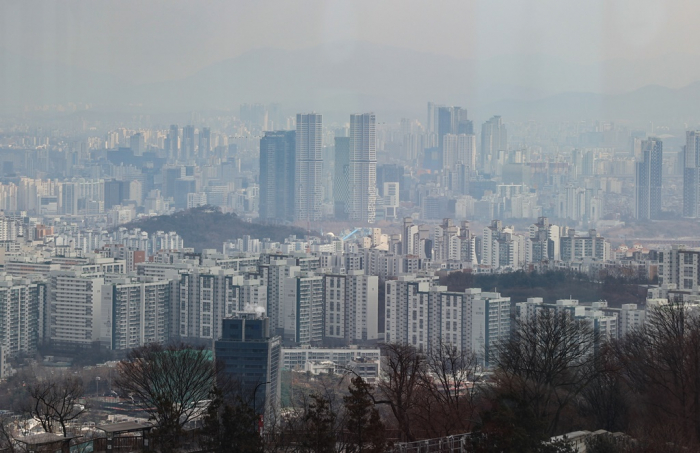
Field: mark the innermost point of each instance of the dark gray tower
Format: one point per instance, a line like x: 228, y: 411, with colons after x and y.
x: 277, y: 174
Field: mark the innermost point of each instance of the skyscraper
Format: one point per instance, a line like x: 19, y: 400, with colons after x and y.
x: 137, y: 143
x: 341, y: 180
x: 173, y: 142
x: 691, y: 175
x: 648, y: 175
x: 204, y: 143
x: 277, y: 165
x: 187, y: 143
x: 363, y: 168
x: 309, y: 163
x: 494, y: 138
x: 459, y: 148
x: 452, y: 120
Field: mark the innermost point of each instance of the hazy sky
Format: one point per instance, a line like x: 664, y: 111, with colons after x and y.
x: 143, y: 40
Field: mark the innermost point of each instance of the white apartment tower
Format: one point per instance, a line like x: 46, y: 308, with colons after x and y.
x: 135, y: 312
x: 75, y: 308
x: 691, y: 175
x: 363, y: 168
x: 351, y: 303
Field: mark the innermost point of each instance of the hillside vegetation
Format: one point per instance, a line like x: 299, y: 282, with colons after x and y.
x: 551, y: 285
x: 207, y: 227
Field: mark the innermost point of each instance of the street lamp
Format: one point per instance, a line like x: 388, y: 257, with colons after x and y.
x: 97, y: 383
x: 255, y: 406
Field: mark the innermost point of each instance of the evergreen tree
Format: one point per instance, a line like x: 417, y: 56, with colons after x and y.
x: 365, y: 429
x: 230, y: 426
x: 319, y: 432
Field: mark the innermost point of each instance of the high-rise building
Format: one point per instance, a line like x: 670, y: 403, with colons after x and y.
x: 173, y: 142
x: 691, y: 175
x: 363, y: 168
x: 425, y: 316
x: 22, y: 305
x: 251, y: 356
x: 138, y: 312
x: 452, y: 120
x: 274, y: 275
x: 351, y: 307
x: 187, y: 143
x: 69, y: 198
x: 494, y: 139
x: 204, y: 297
x: 277, y: 166
x: 459, y: 148
x: 137, y: 143
x: 204, y: 143
x: 303, y: 309
x: 341, y: 180
x: 648, y: 174
x: 75, y: 308
x: 309, y: 163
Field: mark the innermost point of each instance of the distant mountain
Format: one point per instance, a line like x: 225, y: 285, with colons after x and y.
x: 354, y: 76
x: 649, y: 103
x: 208, y: 228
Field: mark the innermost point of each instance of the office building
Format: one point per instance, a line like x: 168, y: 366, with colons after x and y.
x: 296, y: 358
x: 363, y: 168
x: 308, y: 168
x: 691, y: 175
x: 250, y: 356
x: 277, y: 166
x: 648, y: 176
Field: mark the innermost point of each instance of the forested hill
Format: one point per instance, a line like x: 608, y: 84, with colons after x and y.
x: 207, y: 227
x: 552, y: 285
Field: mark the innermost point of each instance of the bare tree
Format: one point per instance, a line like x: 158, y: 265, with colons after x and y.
x: 449, y: 382
x: 546, y: 364
x: 606, y: 400
x: 403, y: 367
x: 167, y: 382
x: 56, y: 402
x: 661, y: 362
